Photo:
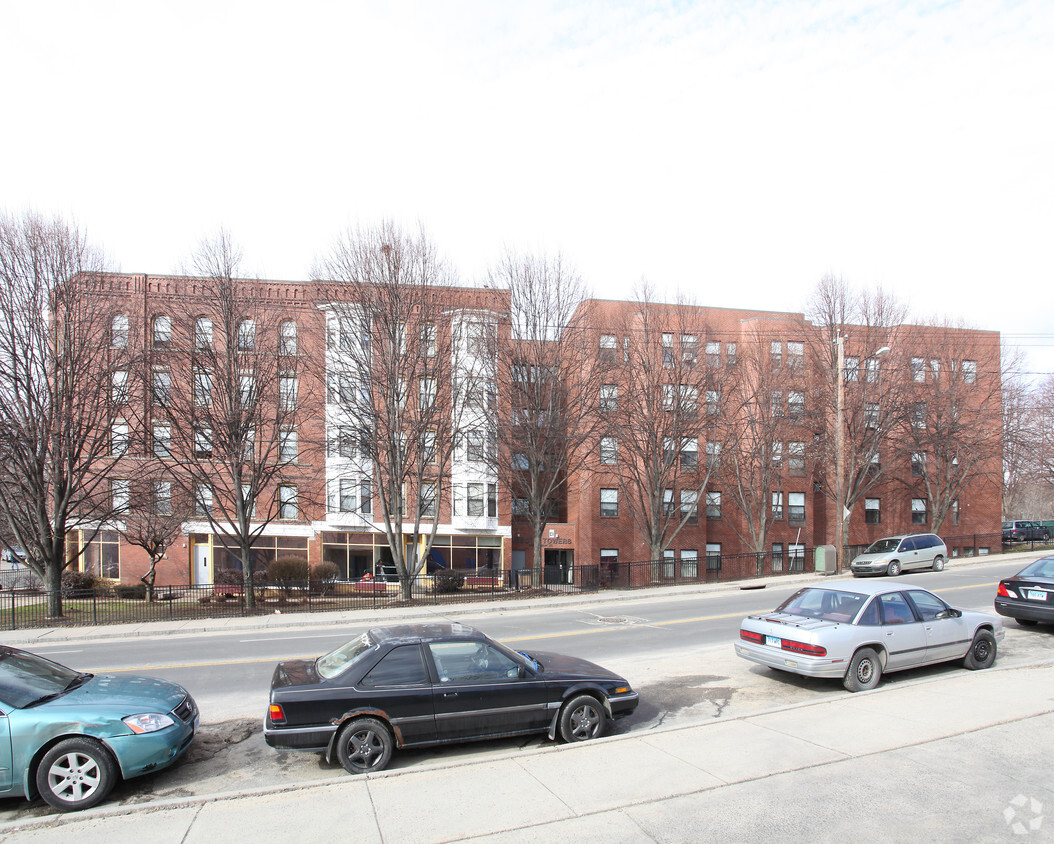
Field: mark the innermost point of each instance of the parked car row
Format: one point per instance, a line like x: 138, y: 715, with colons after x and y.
x: 70, y: 737
x: 1020, y: 530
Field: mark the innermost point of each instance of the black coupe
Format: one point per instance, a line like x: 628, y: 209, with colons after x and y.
x: 1028, y: 596
x: 427, y: 684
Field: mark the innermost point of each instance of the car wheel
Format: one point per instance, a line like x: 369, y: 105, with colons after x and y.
x: 865, y: 670
x: 893, y: 569
x: 77, y: 773
x: 982, y: 651
x: 363, y: 746
x: 938, y: 563
x: 583, y: 718
x: 1026, y: 622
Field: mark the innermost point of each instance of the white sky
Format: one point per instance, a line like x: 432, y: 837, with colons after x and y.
x: 734, y: 151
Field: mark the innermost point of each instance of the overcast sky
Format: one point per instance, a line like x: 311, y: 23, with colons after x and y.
x: 732, y: 151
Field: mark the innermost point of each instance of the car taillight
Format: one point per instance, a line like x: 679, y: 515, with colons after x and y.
x: 751, y: 636
x: 276, y: 714
x: 803, y: 648
x: 1003, y: 592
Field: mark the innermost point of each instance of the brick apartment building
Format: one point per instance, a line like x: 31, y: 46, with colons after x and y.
x: 693, y: 380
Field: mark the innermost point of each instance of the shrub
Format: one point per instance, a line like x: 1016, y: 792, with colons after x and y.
x: 325, y: 571
x: 288, y: 572
x: 448, y: 581
x: 78, y: 584
x: 130, y: 592
x: 228, y: 577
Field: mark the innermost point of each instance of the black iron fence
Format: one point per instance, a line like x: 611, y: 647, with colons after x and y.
x: 24, y: 604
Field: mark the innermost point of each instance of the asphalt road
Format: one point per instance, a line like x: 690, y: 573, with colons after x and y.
x: 676, y: 649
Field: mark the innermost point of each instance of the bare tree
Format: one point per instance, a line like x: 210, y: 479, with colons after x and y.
x: 155, y: 516
x: 767, y: 432
x: 228, y: 407
x: 405, y: 357
x: 1026, y: 430
x: 864, y: 331
x: 60, y: 339
x: 546, y: 368
x: 660, y: 409
x: 951, y: 433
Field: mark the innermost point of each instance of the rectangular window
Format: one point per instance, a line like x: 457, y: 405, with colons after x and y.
x: 919, y: 515
x: 119, y: 333
x: 429, y: 497
x: 689, y: 453
x: 203, y: 442
x: 689, y: 563
x: 162, y: 441
x: 288, y: 445
x: 918, y: 463
x: 796, y: 458
x: 873, y: 511
x: 777, y: 556
x: 203, y: 500
x: 669, y: 561
x: 287, y: 502
x: 161, y: 387
x: 120, y: 438
x: 287, y: 392
x: 246, y: 389
x: 955, y: 512
x: 852, y: 369
x: 162, y: 332
x: 918, y: 370
x: 475, y: 499
x: 796, y: 403
x: 249, y: 500
x: 777, y: 505
x: 668, y: 507
x: 689, y: 349
x: 777, y: 453
x: 426, y: 393
x: 713, y: 354
x: 203, y: 388
x: 872, y: 368
x: 969, y: 371
x: 492, y: 501
x: 608, y: 347
x: 163, y: 498
x: 796, y: 354
x: 609, y: 562
x: 713, y: 402
x: 871, y: 414
x: 713, y: 505
x: 667, y: 350
x: 796, y: 556
x: 690, y: 505
x: 609, y: 397
x: 474, y: 446
x: 918, y: 415
x: 609, y: 502
x: 796, y: 508
x: 348, y: 495
x: 713, y: 455
x: 119, y: 386
x: 730, y: 353
x: 428, y: 448
x: 608, y: 450
x: 246, y: 335
x: 120, y: 494
x: 713, y: 556
x: 777, y: 403
x: 776, y: 353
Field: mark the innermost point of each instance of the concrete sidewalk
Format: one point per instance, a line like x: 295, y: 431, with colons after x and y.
x: 963, y: 756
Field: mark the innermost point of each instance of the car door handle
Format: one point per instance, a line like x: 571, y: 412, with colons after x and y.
x: 449, y: 694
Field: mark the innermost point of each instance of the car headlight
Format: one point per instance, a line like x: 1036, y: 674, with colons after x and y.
x: 148, y: 722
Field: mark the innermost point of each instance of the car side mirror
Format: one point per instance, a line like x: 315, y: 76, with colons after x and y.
x: 951, y: 612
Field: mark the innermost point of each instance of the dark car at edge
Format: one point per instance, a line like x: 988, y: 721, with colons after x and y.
x: 1028, y: 596
x: 419, y: 685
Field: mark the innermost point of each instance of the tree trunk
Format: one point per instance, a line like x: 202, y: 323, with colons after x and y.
x: 53, y: 587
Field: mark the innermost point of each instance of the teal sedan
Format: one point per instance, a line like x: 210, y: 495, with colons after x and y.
x: 69, y: 736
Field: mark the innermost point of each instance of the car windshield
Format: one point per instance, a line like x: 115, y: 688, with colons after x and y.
x: 338, y: 661
x: 1040, y: 568
x: 827, y: 604
x: 26, y: 678
x: 883, y: 546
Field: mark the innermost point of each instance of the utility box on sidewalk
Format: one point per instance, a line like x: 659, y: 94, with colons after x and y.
x: 826, y: 559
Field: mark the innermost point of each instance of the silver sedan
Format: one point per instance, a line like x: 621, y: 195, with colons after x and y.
x: 856, y: 632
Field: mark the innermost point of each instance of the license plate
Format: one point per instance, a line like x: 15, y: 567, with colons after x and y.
x: 1035, y: 594
x: 774, y: 641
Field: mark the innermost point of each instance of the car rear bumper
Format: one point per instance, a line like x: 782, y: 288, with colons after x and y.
x: 1024, y: 609
x: 807, y: 666
x: 297, y: 738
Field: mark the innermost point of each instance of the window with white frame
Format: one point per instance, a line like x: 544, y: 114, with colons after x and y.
x: 287, y: 392
x: 918, y: 463
x: 713, y: 556
x: 796, y: 354
x: 609, y: 397
x: 872, y: 368
x: 713, y: 455
x: 119, y: 386
x: 852, y: 369
x: 161, y: 386
x: 492, y: 501
x: 713, y: 354
x: 776, y: 353
x: 429, y: 498
x: 246, y: 335
x: 919, y: 514
x: 288, y: 508
x: 777, y: 556
x: 689, y: 562
x: 119, y: 331
x: 203, y: 333
x: 474, y: 499
x: 776, y: 399
x: 730, y: 353
x: 713, y: 504
x: 667, y: 350
x: 120, y: 494
x: 777, y: 454
x: 288, y: 445
x: 203, y: 442
x: 163, y: 498
x: 713, y: 402
x: 690, y: 506
x: 202, y: 388
x: 873, y: 511
x: 796, y: 556
x: 609, y: 502
x: 426, y: 393
x: 609, y: 450
x: 955, y: 512
x: 871, y: 414
x: 777, y: 505
x: 796, y: 459
x: 918, y: 370
x: 287, y: 339
x: 969, y: 371
x: 668, y: 506
x: 120, y: 438
x: 202, y: 500
x: 474, y: 446
x: 689, y: 453
x: 796, y: 508
x: 796, y: 403
x: 162, y: 331
x: 608, y: 347
x: 246, y: 389
x: 162, y: 440
x: 689, y: 349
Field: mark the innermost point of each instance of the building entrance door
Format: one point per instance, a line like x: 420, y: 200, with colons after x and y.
x: 202, y: 577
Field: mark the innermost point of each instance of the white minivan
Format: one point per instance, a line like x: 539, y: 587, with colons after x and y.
x: 895, y: 554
